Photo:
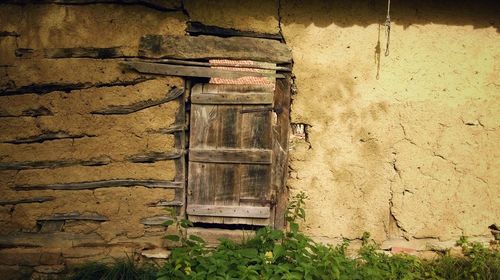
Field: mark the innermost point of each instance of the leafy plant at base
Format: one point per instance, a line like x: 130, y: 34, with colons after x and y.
x: 275, y: 254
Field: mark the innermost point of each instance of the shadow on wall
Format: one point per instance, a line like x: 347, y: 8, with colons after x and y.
x: 478, y: 14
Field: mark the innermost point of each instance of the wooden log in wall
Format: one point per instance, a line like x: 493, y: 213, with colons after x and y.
x: 150, y: 157
x: 207, y: 47
x: 198, y: 28
x: 27, y: 200
x: 34, y: 112
x: 89, y: 185
x: 74, y: 216
x: 141, y: 105
x: 112, y: 52
x: 48, y: 136
x: 99, y: 161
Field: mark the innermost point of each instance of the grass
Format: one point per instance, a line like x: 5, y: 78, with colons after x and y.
x: 120, y: 269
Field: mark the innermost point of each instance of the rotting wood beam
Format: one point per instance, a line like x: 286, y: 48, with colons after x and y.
x: 165, y: 203
x: 99, y: 53
x: 41, y: 89
x: 168, y: 130
x: 74, y: 216
x: 155, y: 221
x: 141, y: 105
x: 208, y: 47
x: 89, y: 185
x: 193, y: 71
x: 9, y: 33
x: 33, y: 112
x: 98, y: 161
x: 40, y: 199
x: 48, y: 136
x: 198, y: 28
x: 151, y: 157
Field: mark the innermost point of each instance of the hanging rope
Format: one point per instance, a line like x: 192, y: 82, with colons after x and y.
x: 387, y: 25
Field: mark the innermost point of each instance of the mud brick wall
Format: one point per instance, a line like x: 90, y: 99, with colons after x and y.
x: 403, y: 146
x: 86, y: 159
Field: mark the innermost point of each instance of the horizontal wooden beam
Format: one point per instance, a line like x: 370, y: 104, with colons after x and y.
x: 65, y: 87
x: 155, y: 221
x: 207, y: 47
x: 49, y: 136
x: 198, y: 28
x: 208, y: 64
x: 165, y: 203
x: 22, y: 165
x: 27, y: 200
x: 150, y: 157
x: 88, y: 52
x: 217, y: 88
x: 229, y: 211
x: 74, y: 216
x: 169, y: 130
x: 141, y: 105
x: 193, y: 71
x: 103, y: 184
x: 249, y: 156
x: 232, y: 98
x: 32, y: 112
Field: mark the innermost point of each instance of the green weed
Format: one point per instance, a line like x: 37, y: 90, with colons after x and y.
x: 290, y: 254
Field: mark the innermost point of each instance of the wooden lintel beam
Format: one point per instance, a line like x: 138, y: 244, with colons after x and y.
x: 193, y: 71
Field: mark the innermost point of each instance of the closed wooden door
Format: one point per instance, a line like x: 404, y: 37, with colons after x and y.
x: 231, y: 155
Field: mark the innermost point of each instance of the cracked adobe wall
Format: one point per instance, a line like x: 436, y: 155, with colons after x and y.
x: 411, y: 154
x: 81, y: 141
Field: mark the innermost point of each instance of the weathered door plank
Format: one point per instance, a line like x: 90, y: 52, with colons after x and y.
x: 229, y: 211
x: 232, y: 98
x: 255, y: 156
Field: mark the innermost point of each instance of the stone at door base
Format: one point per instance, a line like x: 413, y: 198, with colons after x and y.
x: 158, y: 253
x: 50, y: 268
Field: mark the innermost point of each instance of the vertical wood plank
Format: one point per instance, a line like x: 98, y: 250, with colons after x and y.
x: 204, y: 126
x: 256, y: 128
x: 201, y: 187
x: 203, y: 176
x: 229, y: 174
x: 280, y: 149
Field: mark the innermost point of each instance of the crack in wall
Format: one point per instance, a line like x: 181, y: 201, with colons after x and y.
x: 280, y: 28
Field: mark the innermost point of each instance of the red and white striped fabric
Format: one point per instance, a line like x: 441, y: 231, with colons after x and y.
x: 244, y: 66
